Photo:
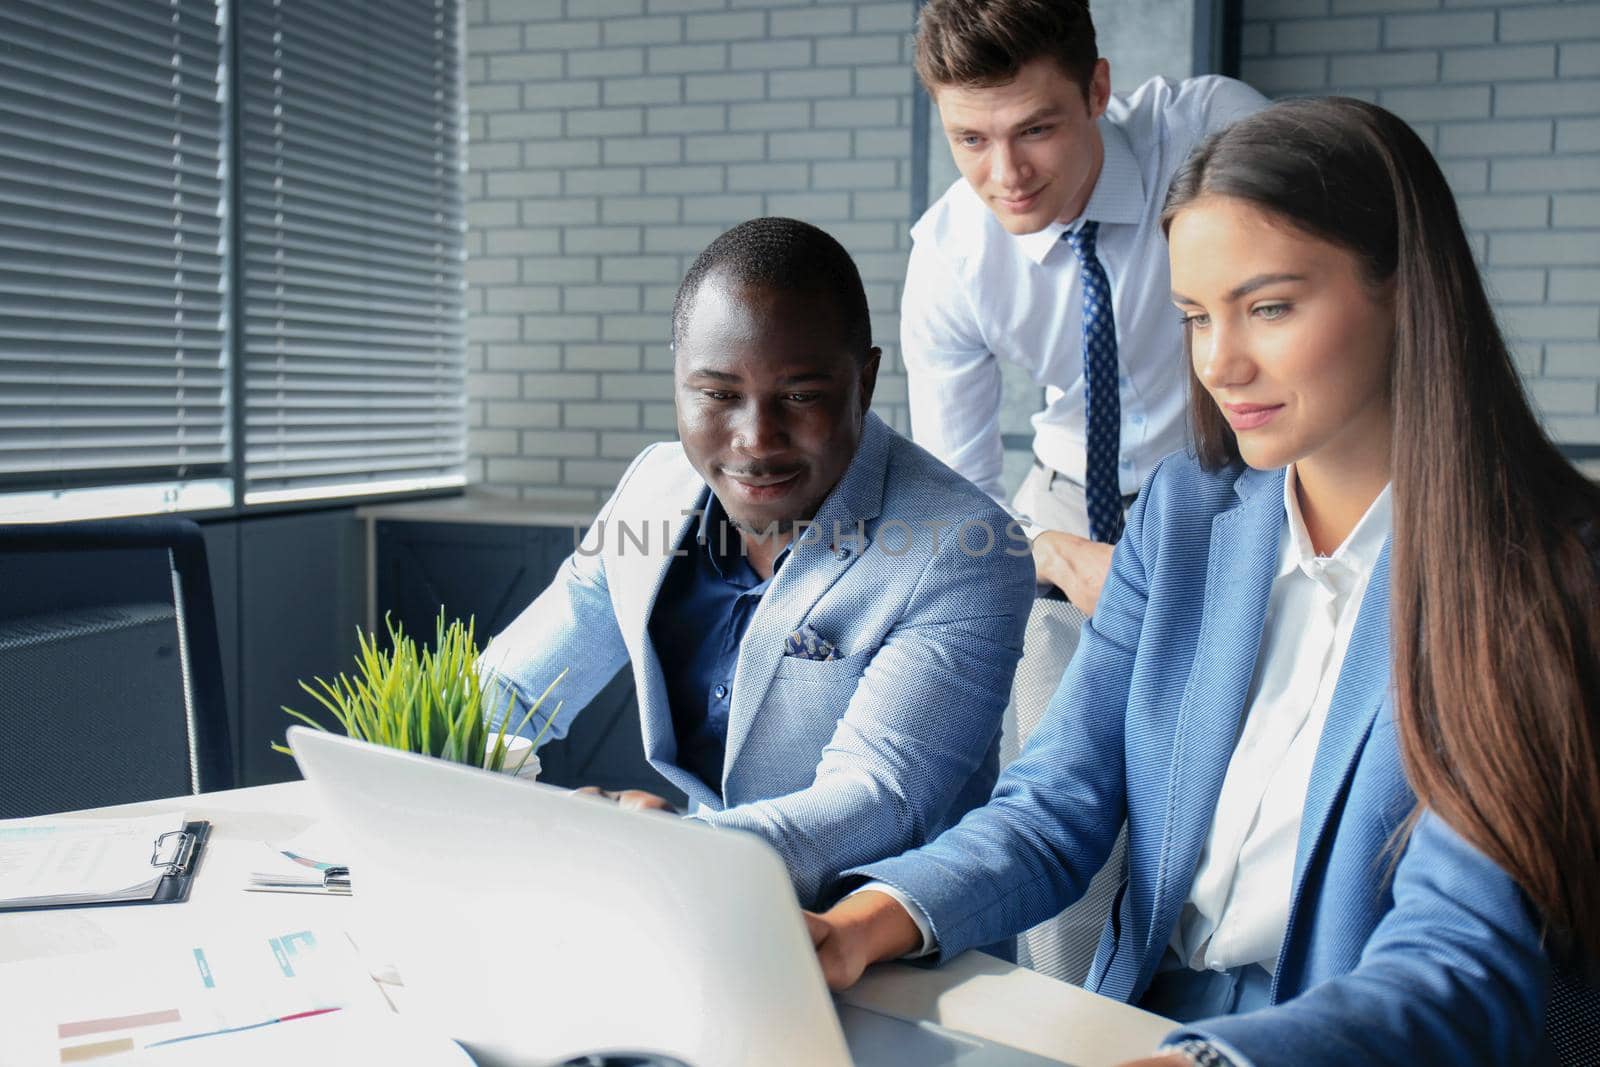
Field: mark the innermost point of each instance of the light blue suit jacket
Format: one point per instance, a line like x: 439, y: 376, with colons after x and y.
x: 835, y: 763
x: 1434, y: 959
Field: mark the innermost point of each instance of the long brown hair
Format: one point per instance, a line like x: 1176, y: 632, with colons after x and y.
x: 1495, y: 617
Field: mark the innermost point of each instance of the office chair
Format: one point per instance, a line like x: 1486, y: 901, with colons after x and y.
x: 1572, y: 1016
x: 1062, y: 947
x: 110, y: 670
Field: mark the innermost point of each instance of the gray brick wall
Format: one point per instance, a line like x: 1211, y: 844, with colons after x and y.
x: 610, y: 140
x: 1507, y: 94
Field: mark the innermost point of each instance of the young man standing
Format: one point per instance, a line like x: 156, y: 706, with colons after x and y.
x: 1048, y: 254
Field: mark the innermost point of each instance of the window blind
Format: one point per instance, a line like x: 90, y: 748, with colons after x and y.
x: 352, y: 117
x: 113, y: 294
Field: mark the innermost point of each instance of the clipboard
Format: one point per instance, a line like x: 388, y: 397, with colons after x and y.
x: 175, y: 853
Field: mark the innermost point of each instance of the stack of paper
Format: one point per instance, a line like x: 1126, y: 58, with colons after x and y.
x: 299, y: 865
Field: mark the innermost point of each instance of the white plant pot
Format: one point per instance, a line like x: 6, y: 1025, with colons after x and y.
x: 516, y: 746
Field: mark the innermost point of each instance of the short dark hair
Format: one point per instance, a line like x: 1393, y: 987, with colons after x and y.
x: 786, y: 255
x: 986, y: 42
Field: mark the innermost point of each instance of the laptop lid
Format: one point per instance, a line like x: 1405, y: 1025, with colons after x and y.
x: 533, y: 924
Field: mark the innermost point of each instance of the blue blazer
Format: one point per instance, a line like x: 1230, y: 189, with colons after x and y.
x: 1435, y: 958
x: 839, y: 762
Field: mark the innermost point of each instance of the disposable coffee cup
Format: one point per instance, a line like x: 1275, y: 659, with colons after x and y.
x: 517, y: 746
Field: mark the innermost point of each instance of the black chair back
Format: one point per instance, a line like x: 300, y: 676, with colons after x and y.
x: 110, y: 671
x: 1572, y: 1018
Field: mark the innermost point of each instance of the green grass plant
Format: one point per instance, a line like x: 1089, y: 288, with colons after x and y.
x: 425, y: 700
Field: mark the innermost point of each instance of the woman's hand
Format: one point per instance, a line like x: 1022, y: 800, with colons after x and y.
x: 860, y: 930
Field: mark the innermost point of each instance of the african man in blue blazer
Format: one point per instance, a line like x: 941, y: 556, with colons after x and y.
x: 834, y: 762
x: 1428, y: 955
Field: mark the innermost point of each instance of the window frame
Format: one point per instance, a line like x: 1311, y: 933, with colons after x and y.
x: 202, y: 498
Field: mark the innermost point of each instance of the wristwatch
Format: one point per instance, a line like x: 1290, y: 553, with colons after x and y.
x: 1201, y: 1052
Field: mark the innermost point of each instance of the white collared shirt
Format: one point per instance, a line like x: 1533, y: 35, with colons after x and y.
x: 975, y: 294
x: 1238, y: 907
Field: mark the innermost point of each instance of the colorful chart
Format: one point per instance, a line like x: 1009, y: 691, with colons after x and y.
x: 132, y: 1001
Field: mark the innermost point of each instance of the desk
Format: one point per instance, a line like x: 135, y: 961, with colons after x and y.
x: 973, y: 993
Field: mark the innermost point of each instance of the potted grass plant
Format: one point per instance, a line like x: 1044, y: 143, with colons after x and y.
x: 429, y: 700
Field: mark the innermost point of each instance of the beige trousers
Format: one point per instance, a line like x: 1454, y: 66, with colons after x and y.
x: 1050, y: 499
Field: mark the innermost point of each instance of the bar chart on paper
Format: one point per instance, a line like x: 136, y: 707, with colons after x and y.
x: 158, y: 1003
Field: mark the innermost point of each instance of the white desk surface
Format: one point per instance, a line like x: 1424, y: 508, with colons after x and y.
x: 974, y: 993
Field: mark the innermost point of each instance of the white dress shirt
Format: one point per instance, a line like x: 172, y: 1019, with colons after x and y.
x: 975, y: 294
x: 1238, y: 907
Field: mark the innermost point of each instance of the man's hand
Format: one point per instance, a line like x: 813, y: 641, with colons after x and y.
x: 631, y: 799
x: 1073, y: 564
x: 1165, y: 1059
x: 859, y: 930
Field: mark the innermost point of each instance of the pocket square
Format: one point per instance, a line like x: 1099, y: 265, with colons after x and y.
x: 806, y: 643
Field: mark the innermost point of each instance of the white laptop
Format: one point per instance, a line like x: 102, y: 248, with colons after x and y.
x: 535, y: 925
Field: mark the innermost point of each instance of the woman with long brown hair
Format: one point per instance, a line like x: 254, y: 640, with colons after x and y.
x: 1495, y: 584
x: 1342, y: 682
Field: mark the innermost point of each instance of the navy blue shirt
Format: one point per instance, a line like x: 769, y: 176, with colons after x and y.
x: 705, y: 605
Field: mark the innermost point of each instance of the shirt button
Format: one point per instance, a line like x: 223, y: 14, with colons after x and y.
x: 1135, y: 420
x: 721, y: 692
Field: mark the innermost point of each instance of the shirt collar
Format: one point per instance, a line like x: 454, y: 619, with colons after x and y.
x: 1118, y: 195
x: 1350, y: 560
x: 711, y: 538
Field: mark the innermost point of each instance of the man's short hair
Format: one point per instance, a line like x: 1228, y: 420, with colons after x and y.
x: 986, y: 42
x: 785, y: 255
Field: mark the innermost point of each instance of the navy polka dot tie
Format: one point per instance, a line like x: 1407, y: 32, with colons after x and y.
x: 1103, y: 416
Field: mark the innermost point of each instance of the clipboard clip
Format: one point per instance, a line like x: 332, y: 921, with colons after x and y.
x: 182, y: 851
